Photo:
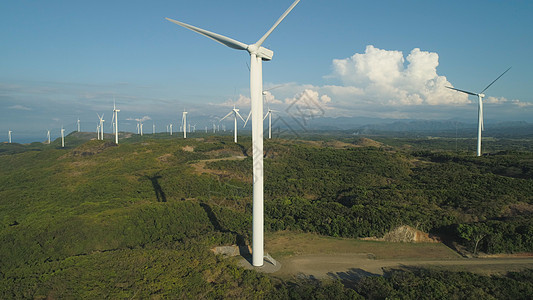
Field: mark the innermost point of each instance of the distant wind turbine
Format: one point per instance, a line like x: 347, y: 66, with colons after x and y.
x: 269, y: 115
x: 235, y: 112
x: 184, y: 123
x: 62, y: 137
x: 9, y: 136
x: 153, y: 127
x: 101, y: 127
x: 48, y: 136
x: 78, y: 124
x: 480, y: 97
x: 257, y: 55
x: 170, y: 126
x: 115, y: 118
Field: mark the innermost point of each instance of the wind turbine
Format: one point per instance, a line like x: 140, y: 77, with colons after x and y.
x: 184, y: 123
x: 62, y: 137
x: 101, y: 127
x: 480, y: 97
x: 9, y: 135
x: 153, y: 127
x: 170, y: 125
x: 269, y: 115
x: 48, y: 136
x: 115, y: 118
x: 235, y: 112
x: 257, y: 55
x: 78, y: 124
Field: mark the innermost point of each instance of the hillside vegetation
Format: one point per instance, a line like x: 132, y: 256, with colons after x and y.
x: 97, y: 220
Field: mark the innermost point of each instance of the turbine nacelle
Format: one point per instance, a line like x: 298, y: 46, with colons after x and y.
x: 264, y: 53
x: 481, y: 95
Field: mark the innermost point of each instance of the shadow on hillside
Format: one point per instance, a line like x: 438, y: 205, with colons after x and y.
x: 160, y: 195
x: 240, y: 240
x: 350, y: 278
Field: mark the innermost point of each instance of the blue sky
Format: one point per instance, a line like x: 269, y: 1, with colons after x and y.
x: 63, y: 60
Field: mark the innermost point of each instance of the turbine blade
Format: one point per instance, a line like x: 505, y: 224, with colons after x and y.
x: 495, y: 80
x: 226, y: 115
x: 238, y: 114
x: 245, y: 122
x: 466, y: 92
x: 266, y: 115
x: 214, y: 36
x: 262, y: 39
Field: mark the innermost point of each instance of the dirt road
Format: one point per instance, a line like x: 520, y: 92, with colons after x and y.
x: 358, y: 265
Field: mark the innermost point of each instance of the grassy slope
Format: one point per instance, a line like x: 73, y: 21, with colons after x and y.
x: 119, y: 220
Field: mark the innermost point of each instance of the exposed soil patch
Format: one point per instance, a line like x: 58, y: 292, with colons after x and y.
x: 200, y: 167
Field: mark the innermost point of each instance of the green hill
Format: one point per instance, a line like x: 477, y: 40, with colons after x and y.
x: 97, y: 220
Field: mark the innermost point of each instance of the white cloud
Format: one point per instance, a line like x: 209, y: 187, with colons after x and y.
x: 19, y: 107
x: 143, y: 119
x: 503, y: 100
x: 380, y: 76
x: 240, y: 102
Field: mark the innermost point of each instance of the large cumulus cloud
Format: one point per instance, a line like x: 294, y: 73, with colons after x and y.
x: 386, y: 77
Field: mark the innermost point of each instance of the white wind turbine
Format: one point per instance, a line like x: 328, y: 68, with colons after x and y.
x: 268, y: 114
x: 184, y: 123
x: 48, y: 136
x: 78, y: 124
x: 153, y: 127
x: 62, y: 137
x: 9, y: 135
x: 257, y: 55
x: 101, y: 126
x: 235, y: 112
x: 115, y: 119
x: 480, y: 96
x: 170, y: 126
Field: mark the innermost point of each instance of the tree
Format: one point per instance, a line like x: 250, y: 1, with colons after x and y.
x: 473, y: 233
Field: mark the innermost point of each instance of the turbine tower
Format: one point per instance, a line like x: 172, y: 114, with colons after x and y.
x: 62, y: 137
x: 115, y: 118
x: 78, y: 124
x: 235, y: 112
x: 480, y: 97
x: 257, y: 55
x: 9, y: 136
x: 48, y: 136
x: 184, y: 123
